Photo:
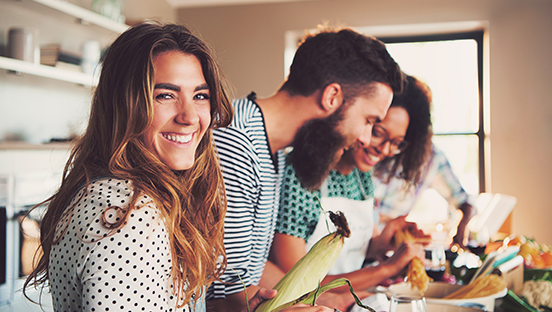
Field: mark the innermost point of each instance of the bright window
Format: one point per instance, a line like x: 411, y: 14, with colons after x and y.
x: 451, y: 66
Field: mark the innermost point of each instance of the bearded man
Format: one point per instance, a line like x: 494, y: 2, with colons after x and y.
x: 340, y: 84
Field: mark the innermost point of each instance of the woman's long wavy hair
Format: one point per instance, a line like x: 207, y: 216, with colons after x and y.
x: 408, y: 165
x: 192, y: 203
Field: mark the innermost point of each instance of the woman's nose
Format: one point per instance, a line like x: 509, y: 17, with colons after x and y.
x: 385, y: 148
x: 187, y: 114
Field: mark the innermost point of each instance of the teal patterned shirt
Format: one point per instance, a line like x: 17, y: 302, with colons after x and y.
x: 299, y: 210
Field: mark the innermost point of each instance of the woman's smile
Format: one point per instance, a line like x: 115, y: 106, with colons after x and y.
x: 178, y: 138
x: 371, y: 159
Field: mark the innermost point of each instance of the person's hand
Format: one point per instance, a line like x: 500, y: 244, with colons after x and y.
x: 261, y: 295
x: 300, y: 307
x: 343, y: 301
x: 460, y: 235
x: 467, y: 213
x: 264, y: 294
x: 384, y: 242
x: 417, y: 234
x: 403, y: 255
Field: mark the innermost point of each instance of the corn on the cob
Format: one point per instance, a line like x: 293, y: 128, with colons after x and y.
x: 306, y: 274
x: 416, y: 275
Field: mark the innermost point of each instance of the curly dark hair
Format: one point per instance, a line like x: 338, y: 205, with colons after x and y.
x: 416, y: 100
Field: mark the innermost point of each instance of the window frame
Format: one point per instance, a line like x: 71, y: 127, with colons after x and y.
x: 478, y: 36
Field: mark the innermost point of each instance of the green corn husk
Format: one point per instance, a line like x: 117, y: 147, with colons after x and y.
x: 305, y: 276
x: 310, y: 298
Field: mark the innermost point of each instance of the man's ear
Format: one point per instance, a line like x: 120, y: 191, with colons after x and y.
x: 332, y: 98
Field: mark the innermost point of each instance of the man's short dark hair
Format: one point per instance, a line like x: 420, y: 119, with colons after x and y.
x: 346, y: 57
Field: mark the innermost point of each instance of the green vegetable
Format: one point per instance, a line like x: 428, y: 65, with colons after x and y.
x: 310, y: 298
x: 537, y: 275
x: 511, y: 302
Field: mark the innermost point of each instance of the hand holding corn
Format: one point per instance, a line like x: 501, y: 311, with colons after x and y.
x: 416, y: 275
x: 382, y: 243
x: 265, y: 294
x: 305, y: 276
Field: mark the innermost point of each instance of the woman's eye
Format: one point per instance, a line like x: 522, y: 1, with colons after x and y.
x: 377, y: 133
x: 202, y: 96
x: 164, y: 96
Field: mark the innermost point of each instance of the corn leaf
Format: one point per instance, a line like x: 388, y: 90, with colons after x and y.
x: 311, y: 297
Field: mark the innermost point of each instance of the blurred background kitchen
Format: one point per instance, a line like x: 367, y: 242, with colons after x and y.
x: 487, y: 63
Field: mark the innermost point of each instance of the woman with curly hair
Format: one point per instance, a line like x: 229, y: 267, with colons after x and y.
x: 399, y: 181
x: 401, y: 140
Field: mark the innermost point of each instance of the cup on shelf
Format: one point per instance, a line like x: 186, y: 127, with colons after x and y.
x: 23, y: 44
x: 91, y: 52
x: 110, y: 9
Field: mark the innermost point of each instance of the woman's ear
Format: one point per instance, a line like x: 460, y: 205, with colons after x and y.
x: 332, y: 98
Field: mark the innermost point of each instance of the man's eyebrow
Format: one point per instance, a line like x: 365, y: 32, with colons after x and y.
x: 168, y: 86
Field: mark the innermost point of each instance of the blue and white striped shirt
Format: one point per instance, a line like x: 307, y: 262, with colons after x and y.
x: 252, y: 180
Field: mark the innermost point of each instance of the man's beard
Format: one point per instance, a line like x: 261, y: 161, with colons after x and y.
x: 315, y: 148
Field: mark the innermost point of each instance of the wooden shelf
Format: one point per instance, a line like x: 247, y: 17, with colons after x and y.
x: 47, y: 71
x: 64, y: 9
x: 86, y: 16
x: 31, y: 146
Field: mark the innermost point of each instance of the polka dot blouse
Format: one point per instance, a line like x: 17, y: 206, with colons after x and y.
x: 95, y: 268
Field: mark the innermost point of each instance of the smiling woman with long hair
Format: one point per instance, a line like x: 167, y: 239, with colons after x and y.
x: 137, y: 222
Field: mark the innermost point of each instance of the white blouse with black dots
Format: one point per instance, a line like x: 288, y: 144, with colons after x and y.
x: 95, y: 268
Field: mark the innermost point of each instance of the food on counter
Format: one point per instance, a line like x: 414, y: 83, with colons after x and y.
x: 512, y: 302
x: 535, y: 255
x: 537, y: 290
x: 481, y: 287
x: 416, y: 275
x: 547, y: 258
x: 538, y: 293
x: 516, y: 240
x: 529, y: 248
